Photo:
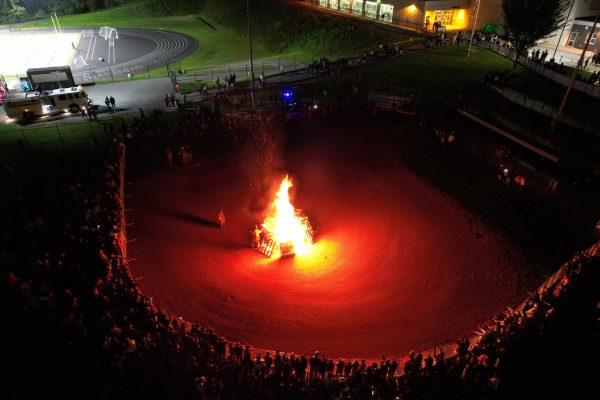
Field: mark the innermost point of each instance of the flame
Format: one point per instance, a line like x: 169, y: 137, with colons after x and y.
x: 285, y: 223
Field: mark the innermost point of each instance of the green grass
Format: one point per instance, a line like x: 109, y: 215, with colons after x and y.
x: 441, y: 71
x: 447, y: 70
x: 540, y: 88
x: 51, y: 140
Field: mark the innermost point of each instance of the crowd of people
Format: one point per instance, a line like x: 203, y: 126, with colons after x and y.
x: 540, y: 58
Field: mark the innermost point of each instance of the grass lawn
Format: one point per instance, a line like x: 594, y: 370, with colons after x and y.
x: 441, y: 71
x: 448, y: 70
x: 55, y: 140
x: 48, y: 140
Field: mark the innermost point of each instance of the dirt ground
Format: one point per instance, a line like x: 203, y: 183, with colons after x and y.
x: 396, y: 266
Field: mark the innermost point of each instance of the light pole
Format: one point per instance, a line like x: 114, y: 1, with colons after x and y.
x: 473, y: 30
x: 251, y: 58
x: 563, y: 29
x: 587, y: 43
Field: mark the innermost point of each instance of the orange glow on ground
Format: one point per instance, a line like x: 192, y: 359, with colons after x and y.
x: 315, y: 263
x: 285, y: 223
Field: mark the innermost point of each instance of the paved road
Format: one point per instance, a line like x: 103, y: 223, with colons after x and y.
x: 131, y: 95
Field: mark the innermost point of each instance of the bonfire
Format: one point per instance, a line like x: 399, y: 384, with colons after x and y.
x: 285, y: 226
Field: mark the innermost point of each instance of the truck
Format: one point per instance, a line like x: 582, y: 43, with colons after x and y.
x: 36, y: 104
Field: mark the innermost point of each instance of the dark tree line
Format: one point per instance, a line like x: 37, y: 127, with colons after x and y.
x: 10, y: 10
x: 16, y: 10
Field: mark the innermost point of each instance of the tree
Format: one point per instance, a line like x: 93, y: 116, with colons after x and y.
x: 527, y: 21
x: 10, y: 10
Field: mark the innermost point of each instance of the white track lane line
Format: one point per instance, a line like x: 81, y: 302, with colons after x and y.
x: 89, y: 48
x: 93, y: 48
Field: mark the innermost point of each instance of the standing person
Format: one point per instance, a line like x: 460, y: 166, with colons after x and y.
x: 107, y: 102
x: 221, y: 218
x: 169, y: 156
x: 112, y: 103
x: 172, y: 99
x: 82, y: 111
x: 167, y: 100
x: 255, y: 234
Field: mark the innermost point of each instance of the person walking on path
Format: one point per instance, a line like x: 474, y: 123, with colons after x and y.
x: 112, y: 103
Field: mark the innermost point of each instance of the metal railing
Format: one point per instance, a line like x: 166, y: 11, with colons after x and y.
x: 509, y: 52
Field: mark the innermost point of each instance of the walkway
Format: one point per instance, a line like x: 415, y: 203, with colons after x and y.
x: 567, y: 55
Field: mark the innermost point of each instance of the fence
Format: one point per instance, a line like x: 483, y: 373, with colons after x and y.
x: 546, y: 109
x: 509, y: 52
x: 121, y: 237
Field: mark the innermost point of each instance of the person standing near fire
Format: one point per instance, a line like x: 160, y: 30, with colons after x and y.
x: 221, y: 218
x: 255, y: 236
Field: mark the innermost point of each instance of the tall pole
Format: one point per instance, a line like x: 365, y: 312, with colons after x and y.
x: 53, y: 24
x: 57, y: 23
x: 563, y: 29
x: 473, y: 30
x: 251, y: 58
x: 587, y: 42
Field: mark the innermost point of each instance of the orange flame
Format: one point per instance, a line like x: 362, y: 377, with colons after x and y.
x: 285, y: 223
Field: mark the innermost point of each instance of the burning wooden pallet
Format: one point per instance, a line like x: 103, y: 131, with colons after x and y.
x: 286, y: 249
x: 266, y: 244
x: 267, y: 247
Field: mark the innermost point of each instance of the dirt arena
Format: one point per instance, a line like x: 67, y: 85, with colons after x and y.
x: 396, y: 266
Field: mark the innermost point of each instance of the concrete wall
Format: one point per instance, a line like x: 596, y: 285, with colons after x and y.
x: 583, y: 31
x: 490, y: 11
x: 581, y: 8
x: 446, y: 4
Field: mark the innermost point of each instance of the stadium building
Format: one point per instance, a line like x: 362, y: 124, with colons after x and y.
x: 452, y: 15
x: 578, y: 27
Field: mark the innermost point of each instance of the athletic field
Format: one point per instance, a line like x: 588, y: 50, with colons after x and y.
x: 23, y: 50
